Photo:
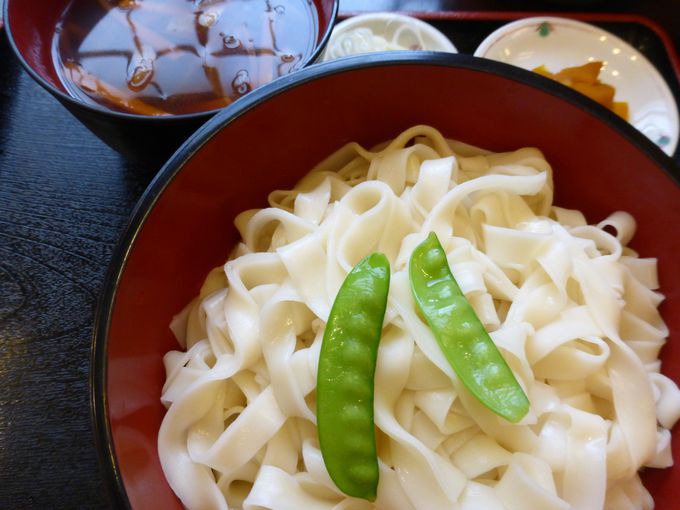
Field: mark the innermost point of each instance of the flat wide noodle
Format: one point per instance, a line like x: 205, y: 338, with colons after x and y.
x: 572, y: 309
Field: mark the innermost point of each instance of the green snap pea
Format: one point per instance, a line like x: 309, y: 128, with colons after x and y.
x: 461, y: 336
x: 345, y: 381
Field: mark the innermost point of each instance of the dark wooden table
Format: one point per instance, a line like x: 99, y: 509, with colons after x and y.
x: 64, y: 200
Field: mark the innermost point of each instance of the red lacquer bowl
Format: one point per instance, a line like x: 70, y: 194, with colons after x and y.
x: 182, y: 227
x: 31, y: 26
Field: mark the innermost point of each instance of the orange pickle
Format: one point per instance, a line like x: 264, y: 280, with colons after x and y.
x: 585, y: 79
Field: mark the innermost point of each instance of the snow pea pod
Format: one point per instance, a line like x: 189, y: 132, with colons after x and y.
x: 345, y: 380
x: 461, y: 336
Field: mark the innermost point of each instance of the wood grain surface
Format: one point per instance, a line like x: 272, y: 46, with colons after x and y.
x: 64, y: 200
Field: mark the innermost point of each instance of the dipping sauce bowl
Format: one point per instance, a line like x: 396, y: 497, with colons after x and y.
x: 109, y: 109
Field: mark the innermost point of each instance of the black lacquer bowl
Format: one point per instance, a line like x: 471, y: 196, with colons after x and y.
x: 183, y: 225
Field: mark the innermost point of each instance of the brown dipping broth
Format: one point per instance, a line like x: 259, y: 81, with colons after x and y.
x: 160, y: 57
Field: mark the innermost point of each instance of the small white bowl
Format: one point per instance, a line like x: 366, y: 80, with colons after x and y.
x: 384, y: 31
x: 558, y: 43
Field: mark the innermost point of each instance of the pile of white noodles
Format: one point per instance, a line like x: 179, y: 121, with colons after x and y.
x: 365, y: 40
x: 572, y: 309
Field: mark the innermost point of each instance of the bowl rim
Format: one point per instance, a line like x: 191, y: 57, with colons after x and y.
x: 101, y: 110
x: 147, y: 201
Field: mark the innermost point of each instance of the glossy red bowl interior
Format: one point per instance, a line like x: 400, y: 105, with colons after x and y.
x: 182, y: 227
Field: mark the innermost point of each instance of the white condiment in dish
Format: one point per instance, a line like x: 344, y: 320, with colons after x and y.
x: 384, y: 31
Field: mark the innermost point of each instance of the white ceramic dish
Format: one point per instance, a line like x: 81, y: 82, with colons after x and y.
x: 384, y: 31
x: 558, y: 43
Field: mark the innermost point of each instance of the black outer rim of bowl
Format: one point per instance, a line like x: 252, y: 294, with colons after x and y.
x: 97, y: 109
x: 98, y: 370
